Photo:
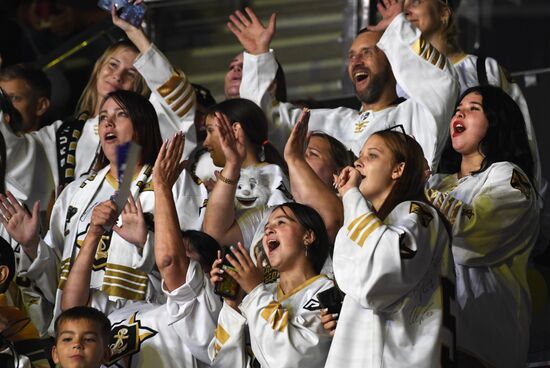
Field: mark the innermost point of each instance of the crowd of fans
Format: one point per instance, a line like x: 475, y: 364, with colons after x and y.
x: 258, y: 233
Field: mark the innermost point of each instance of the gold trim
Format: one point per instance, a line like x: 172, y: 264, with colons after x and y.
x: 122, y: 293
x: 183, y: 100
x: 182, y: 113
x: 370, y: 218
x: 221, y: 334
x: 367, y: 233
x: 171, y: 84
x: 276, y: 316
x: 281, y: 296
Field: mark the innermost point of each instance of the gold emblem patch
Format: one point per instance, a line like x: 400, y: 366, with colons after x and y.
x: 424, y: 216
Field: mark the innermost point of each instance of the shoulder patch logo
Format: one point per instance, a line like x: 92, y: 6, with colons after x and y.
x: 312, y: 305
x: 126, y: 339
x: 424, y: 216
x: 404, y: 251
x: 521, y: 183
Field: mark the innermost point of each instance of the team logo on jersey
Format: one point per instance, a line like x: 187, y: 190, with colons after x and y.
x: 521, y: 183
x: 126, y: 339
x: 312, y: 305
x: 102, y: 251
x: 424, y: 216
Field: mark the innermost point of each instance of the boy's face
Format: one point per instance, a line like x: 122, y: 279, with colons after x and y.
x: 79, y: 345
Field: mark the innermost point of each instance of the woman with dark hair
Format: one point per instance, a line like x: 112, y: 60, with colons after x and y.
x: 182, y: 328
x: 436, y: 19
x: 281, y: 319
x: 392, y: 259
x: 260, y: 181
x: 484, y: 188
x: 123, y: 265
x: 253, y: 123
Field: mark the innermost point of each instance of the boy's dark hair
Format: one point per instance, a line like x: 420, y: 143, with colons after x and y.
x: 34, y: 77
x: 91, y: 314
x: 7, y: 258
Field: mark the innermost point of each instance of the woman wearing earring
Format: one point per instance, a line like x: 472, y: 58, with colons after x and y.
x: 280, y: 319
x: 484, y: 189
x: 393, y: 261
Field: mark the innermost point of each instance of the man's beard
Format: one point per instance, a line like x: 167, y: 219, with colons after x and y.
x: 374, y: 90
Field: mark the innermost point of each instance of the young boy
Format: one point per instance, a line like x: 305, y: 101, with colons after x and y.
x: 81, y: 338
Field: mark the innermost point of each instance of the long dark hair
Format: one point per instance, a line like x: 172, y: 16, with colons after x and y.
x: 311, y: 220
x: 254, y: 124
x: 506, y: 137
x: 144, y: 121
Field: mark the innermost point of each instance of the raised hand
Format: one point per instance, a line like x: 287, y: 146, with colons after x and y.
x: 231, y: 140
x: 251, y: 33
x: 246, y: 273
x: 22, y: 226
x: 294, y: 148
x: 168, y: 167
x: 349, y: 178
x: 135, y: 34
x: 389, y: 9
x: 133, y: 228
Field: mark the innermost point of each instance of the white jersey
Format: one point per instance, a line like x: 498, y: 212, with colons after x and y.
x: 495, y: 223
x: 399, y: 283
x: 33, y: 301
x: 466, y: 68
x: 424, y: 73
x: 120, y: 268
x: 284, y: 330
x: 172, y: 96
x: 142, y: 335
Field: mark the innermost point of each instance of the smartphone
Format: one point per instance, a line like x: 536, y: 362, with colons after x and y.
x: 331, y: 299
x: 228, y: 287
x: 131, y: 13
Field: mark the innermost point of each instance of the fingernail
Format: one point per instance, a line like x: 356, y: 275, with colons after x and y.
x: 334, y: 315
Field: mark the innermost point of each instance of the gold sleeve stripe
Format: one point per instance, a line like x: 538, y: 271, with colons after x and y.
x: 176, y: 94
x: 454, y: 213
x: 354, y: 222
x: 276, y: 316
x: 124, y: 283
x: 359, y: 229
x: 217, y: 347
x: 429, y: 53
x: 445, y: 209
x: 189, y: 94
x: 367, y: 232
x: 135, y: 279
x: 171, y: 84
x: 221, y: 334
x: 186, y: 109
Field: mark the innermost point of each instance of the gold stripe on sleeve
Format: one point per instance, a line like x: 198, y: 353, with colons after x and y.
x: 221, y: 334
x: 367, y: 232
x: 359, y: 229
x: 171, y: 84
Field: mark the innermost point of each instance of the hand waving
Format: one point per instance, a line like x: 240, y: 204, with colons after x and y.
x: 251, y: 33
x: 133, y: 228
x: 389, y: 9
x: 168, y: 167
x: 231, y: 140
x: 294, y: 148
x: 22, y: 226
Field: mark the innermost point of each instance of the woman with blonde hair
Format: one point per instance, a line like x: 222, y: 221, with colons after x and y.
x: 71, y: 146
